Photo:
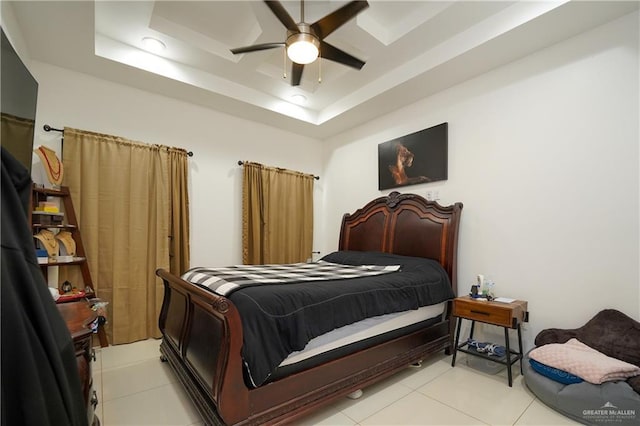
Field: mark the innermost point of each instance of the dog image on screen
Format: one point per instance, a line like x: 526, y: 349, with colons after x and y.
x: 404, y: 160
x: 416, y: 158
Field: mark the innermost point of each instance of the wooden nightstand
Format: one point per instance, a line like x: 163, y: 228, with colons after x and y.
x: 506, y: 315
x: 79, y: 316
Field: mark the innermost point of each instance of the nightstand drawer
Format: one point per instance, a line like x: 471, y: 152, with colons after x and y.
x: 505, y: 315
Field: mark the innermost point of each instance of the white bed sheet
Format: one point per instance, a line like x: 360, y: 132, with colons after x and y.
x: 362, y: 330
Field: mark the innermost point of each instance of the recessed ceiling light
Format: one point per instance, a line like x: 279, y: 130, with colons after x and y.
x: 153, y: 44
x: 299, y: 98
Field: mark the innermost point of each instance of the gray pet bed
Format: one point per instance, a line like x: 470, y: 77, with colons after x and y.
x: 609, y: 403
x: 614, y: 334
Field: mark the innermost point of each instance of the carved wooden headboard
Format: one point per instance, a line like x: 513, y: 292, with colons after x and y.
x: 408, y: 225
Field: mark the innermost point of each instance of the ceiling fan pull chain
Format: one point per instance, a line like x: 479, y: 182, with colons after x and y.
x: 284, y: 63
x: 319, y: 69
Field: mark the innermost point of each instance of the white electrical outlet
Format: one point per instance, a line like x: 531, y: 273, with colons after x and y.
x: 429, y: 196
x: 436, y: 195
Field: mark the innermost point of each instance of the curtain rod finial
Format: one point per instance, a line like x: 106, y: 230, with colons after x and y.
x: 48, y: 128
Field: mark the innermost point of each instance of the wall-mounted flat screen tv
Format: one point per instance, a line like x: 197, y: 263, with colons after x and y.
x: 420, y: 157
x: 18, y: 99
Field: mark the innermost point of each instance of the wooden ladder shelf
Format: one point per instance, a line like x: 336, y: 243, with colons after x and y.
x: 70, y: 224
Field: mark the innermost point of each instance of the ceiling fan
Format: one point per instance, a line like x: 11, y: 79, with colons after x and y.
x: 305, y: 42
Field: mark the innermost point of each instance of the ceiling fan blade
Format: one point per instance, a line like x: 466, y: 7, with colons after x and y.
x: 296, y: 73
x: 256, y: 47
x: 325, y: 26
x: 282, y: 14
x: 332, y: 53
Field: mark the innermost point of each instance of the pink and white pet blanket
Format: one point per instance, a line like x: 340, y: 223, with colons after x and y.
x: 583, y: 361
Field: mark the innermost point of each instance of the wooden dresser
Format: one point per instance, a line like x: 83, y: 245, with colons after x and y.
x: 78, y: 316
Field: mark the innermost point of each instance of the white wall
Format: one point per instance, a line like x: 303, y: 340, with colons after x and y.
x: 218, y: 141
x: 543, y: 153
x: 13, y: 32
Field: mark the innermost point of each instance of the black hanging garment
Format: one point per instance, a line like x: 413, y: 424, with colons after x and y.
x: 40, y: 379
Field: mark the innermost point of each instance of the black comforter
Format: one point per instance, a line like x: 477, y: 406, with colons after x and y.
x: 280, y: 319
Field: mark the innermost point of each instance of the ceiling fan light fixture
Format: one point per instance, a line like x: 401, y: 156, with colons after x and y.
x: 303, y: 48
x: 306, y: 42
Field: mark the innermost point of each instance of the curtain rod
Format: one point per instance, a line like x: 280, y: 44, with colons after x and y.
x: 240, y: 163
x: 48, y: 128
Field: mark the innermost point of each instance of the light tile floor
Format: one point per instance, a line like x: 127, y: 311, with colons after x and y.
x: 135, y: 388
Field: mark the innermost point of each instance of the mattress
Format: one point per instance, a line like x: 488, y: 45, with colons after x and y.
x: 362, y: 330
x: 358, y: 336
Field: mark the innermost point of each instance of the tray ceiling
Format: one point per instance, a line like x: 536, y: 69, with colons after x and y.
x: 412, y: 49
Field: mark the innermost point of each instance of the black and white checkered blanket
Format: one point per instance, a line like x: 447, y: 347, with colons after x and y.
x: 226, y: 280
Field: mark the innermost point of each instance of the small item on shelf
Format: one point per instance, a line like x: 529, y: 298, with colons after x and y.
x: 66, y: 287
x: 504, y: 300
x: 47, y: 218
x: 47, y: 207
x: 42, y: 255
x: 487, y: 348
x: 71, y: 296
x: 482, y: 289
x: 69, y: 292
x: 487, y: 289
x: 476, y: 294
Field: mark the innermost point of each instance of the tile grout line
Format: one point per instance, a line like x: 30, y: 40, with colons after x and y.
x: 130, y: 364
x: 453, y: 408
x: 525, y: 410
x: 411, y: 390
x: 139, y: 392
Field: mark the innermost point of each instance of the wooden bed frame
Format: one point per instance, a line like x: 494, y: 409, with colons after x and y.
x: 202, y: 332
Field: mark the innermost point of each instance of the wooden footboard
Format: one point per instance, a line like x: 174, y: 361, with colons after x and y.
x: 202, y: 340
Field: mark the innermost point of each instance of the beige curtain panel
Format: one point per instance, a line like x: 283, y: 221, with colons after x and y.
x: 277, y: 215
x: 179, y: 212
x: 14, y: 128
x: 132, y: 207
